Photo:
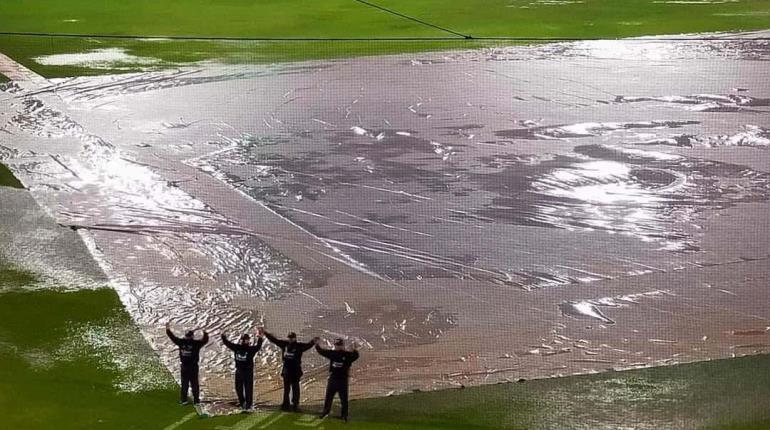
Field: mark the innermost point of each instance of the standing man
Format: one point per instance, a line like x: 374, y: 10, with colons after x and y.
x: 291, y: 353
x: 189, y: 354
x: 244, y: 353
x: 339, y: 371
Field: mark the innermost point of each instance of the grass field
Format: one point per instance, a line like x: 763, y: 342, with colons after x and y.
x: 336, y: 19
x: 75, y: 360
x: 347, y: 18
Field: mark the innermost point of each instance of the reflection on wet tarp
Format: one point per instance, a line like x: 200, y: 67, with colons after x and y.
x: 468, y: 216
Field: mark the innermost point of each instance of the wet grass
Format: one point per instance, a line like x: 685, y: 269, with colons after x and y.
x: 722, y: 393
x: 337, y: 19
x: 171, y: 53
x: 346, y: 18
x: 13, y: 278
x: 7, y: 179
x: 55, y: 374
x: 52, y: 377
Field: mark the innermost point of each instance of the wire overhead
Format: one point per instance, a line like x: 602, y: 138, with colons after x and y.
x: 377, y: 39
x: 417, y: 20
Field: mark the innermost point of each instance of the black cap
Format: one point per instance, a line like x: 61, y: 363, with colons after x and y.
x: 189, y: 333
x: 292, y: 335
x: 339, y: 341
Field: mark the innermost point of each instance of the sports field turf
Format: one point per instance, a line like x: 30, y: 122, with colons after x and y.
x: 339, y: 19
x: 75, y: 360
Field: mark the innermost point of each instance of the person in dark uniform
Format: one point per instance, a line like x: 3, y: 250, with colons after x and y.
x: 339, y: 372
x: 244, y: 353
x: 291, y: 354
x: 189, y: 354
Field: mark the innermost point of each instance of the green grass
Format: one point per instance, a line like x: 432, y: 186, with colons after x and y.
x: 13, y: 278
x: 708, y: 394
x: 6, y: 177
x: 346, y: 18
x: 56, y: 373
x: 338, y: 19
x: 70, y: 360
x: 173, y: 52
x: 52, y: 377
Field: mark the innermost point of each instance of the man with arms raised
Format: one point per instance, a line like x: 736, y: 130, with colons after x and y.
x: 340, y: 360
x: 244, y: 353
x: 189, y: 354
x: 291, y: 354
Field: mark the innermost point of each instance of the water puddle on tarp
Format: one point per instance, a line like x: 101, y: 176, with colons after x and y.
x: 468, y: 217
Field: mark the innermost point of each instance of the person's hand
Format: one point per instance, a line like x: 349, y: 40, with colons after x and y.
x: 261, y: 331
x: 354, y: 346
x: 168, y: 325
x: 316, y: 339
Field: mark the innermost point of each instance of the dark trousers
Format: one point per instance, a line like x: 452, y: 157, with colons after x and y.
x: 336, y: 386
x: 291, y: 385
x: 189, y: 373
x: 244, y: 386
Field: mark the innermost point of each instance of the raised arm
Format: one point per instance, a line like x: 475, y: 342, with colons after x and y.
x: 171, y: 335
x: 278, y: 342
x: 324, y: 352
x: 305, y: 346
x: 227, y: 342
x: 258, y: 346
x: 205, y: 339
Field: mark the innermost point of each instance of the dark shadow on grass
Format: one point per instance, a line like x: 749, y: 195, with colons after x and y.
x: 11, y: 277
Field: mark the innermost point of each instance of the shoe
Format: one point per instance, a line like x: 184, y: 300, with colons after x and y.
x: 344, y: 419
x: 284, y: 407
x: 184, y: 402
x: 322, y: 416
x: 295, y: 408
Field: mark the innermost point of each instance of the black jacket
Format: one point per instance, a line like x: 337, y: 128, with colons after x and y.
x: 189, y: 349
x: 243, y: 354
x: 291, y: 354
x: 339, y: 361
